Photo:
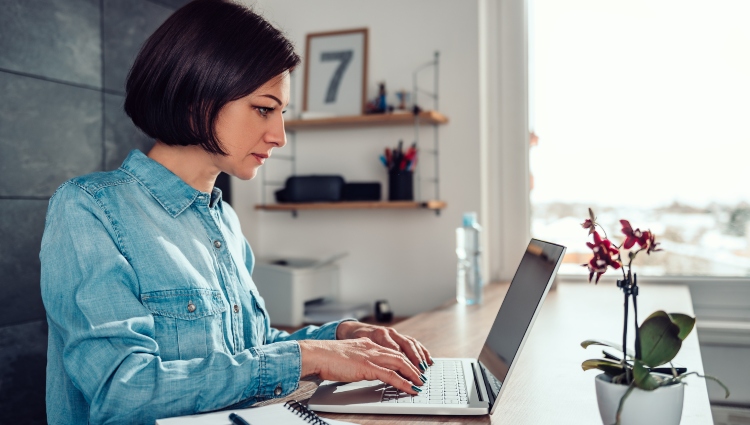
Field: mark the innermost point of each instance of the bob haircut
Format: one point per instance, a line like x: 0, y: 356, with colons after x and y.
x: 206, y: 54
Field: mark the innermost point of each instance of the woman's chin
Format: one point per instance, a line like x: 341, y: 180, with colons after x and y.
x: 247, y: 174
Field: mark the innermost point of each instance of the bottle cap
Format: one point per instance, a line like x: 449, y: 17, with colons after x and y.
x: 470, y: 219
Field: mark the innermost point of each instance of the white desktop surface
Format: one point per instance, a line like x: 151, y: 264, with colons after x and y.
x: 548, y: 385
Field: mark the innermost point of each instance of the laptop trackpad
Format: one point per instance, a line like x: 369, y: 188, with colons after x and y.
x: 343, y: 393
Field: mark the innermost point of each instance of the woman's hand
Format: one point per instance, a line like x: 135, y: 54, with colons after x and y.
x: 359, y: 359
x: 388, y: 338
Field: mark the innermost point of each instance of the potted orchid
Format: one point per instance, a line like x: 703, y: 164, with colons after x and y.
x: 643, y: 376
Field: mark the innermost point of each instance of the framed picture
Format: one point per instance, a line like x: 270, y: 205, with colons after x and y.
x: 336, y: 72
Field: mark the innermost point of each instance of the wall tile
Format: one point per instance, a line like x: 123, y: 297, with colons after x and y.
x: 127, y: 24
x: 174, y: 4
x: 22, y: 225
x: 57, y: 39
x: 49, y: 132
x: 23, y: 360
x: 120, y: 134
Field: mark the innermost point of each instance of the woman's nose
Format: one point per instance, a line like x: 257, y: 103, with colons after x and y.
x: 276, y: 134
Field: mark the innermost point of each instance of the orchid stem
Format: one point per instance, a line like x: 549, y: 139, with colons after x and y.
x: 625, y: 335
x: 635, y: 316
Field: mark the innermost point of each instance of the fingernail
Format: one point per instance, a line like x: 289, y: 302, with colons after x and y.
x: 421, y: 366
x: 425, y: 364
x: 423, y: 378
x: 416, y: 388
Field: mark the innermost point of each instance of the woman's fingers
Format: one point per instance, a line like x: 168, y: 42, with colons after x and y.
x: 414, y: 350
x: 425, y: 354
x: 398, y: 362
x: 382, y: 336
x: 391, y: 338
x: 363, y: 358
x: 394, y: 379
x: 411, y: 350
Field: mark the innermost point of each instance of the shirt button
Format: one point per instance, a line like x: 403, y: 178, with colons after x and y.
x: 236, y: 308
x: 217, y: 244
x: 277, y: 391
x: 191, y: 307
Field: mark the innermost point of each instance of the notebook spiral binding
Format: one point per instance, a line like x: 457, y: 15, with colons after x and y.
x: 304, y: 413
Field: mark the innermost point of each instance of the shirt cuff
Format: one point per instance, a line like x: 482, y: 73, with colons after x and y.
x: 280, y: 368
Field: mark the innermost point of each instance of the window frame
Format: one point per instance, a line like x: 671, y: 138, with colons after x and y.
x: 504, y: 32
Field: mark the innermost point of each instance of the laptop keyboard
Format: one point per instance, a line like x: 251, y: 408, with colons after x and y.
x: 445, y: 384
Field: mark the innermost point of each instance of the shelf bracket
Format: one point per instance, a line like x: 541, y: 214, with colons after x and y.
x: 435, y: 65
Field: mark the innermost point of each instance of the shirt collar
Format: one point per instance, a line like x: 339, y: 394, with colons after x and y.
x: 170, y: 191
x: 215, y: 201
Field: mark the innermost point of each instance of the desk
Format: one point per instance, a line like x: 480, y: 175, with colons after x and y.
x: 547, y: 385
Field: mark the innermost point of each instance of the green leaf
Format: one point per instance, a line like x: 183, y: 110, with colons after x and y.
x: 610, y: 367
x: 684, y: 322
x: 618, y: 347
x: 643, y: 378
x: 656, y: 314
x: 660, y: 341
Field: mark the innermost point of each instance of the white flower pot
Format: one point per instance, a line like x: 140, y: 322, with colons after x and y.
x: 662, y: 406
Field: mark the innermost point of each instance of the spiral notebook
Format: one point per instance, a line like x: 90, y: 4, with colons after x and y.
x: 289, y: 413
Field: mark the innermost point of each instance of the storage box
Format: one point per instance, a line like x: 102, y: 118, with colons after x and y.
x: 286, y: 287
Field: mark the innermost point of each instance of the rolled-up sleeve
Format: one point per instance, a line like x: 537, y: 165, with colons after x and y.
x: 280, y: 368
x: 107, y: 346
x: 323, y: 332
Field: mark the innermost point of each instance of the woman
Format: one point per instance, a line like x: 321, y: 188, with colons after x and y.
x: 146, y: 276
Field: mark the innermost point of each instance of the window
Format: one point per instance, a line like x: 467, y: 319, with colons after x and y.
x: 641, y: 108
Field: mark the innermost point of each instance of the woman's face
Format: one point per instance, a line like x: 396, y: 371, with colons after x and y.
x: 250, y: 127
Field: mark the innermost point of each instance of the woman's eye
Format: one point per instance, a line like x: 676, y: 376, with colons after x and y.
x: 263, y: 111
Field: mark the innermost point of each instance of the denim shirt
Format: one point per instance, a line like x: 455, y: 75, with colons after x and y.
x: 151, y: 306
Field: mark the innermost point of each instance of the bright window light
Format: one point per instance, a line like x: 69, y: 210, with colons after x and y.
x: 642, y: 108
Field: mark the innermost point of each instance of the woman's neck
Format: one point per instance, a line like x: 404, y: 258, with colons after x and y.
x: 190, y: 163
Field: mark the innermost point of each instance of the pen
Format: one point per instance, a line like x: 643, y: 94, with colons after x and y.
x: 237, y: 420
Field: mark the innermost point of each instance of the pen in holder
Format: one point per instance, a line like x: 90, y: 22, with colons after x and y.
x: 400, y: 165
x: 400, y: 185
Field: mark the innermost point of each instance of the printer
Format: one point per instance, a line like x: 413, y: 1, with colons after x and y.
x: 300, y: 290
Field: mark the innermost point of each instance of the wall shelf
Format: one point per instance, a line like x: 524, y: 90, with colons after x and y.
x: 429, y: 117
x: 394, y: 118
x: 293, y: 207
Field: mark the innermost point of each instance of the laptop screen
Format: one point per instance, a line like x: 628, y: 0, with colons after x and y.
x: 518, y: 311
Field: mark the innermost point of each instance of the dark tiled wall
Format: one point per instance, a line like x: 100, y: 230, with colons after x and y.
x: 63, y: 65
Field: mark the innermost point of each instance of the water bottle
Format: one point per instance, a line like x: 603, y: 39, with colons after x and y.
x: 469, y: 274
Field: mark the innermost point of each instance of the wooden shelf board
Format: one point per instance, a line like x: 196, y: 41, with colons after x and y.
x: 430, y: 205
x: 395, y: 118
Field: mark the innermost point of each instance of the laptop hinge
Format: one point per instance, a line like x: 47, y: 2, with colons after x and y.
x: 476, y: 381
x: 487, y: 386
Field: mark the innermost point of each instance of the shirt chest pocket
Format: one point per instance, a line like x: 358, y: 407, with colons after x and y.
x: 188, y: 322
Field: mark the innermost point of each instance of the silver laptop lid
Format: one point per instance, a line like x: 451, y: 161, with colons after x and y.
x: 517, y: 314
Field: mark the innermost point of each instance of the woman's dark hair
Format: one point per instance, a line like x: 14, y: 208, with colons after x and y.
x: 208, y: 53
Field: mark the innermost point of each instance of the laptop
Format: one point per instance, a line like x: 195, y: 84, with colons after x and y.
x: 461, y: 386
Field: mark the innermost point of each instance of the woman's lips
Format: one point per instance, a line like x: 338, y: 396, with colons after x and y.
x: 260, y: 158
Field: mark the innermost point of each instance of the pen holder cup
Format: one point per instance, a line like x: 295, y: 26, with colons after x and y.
x: 401, y: 186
